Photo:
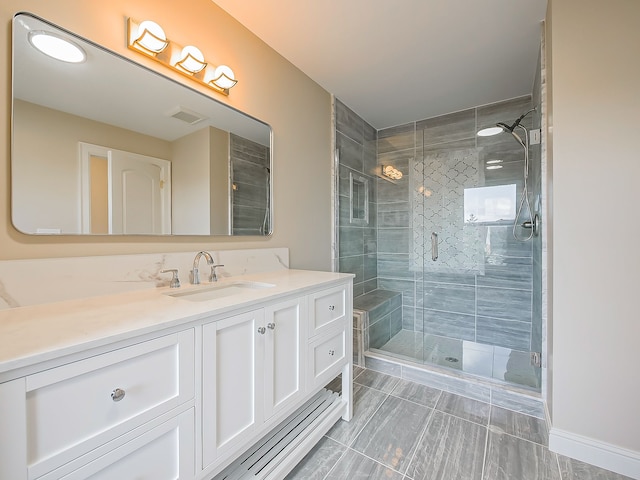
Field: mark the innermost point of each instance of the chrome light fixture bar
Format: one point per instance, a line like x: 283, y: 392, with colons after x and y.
x: 149, y: 39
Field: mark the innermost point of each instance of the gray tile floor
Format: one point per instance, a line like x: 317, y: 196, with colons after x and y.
x: 406, y: 431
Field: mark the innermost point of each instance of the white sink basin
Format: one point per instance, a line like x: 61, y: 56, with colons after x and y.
x: 214, y: 291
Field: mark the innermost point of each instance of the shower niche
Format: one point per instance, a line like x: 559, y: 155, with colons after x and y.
x: 358, y: 199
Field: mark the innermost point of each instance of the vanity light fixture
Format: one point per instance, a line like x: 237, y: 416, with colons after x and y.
x: 223, y: 77
x: 149, y: 39
x: 191, y: 60
x: 391, y: 172
x: 56, y: 46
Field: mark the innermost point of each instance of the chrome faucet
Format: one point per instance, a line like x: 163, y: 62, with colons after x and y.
x: 195, y: 273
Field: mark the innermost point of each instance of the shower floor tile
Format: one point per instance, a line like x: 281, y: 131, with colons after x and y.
x: 476, y: 358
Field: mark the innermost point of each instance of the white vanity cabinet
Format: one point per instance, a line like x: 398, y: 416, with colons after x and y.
x: 187, y: 398
x: 252, y: 370
x: 85, y: 415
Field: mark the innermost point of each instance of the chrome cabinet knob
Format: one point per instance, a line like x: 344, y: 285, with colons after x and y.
x: 261, y: 330
x: 117, y: 395
x: 332, y: 308
x: 332, y: 352
x: 271, y: 326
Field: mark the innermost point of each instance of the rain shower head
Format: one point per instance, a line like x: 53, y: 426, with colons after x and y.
x: 503, y: 127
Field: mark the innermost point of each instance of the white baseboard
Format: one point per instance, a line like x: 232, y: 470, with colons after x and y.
x: 604, y: 455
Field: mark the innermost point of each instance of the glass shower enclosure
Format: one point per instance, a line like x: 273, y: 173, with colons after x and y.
x: 444, y: 240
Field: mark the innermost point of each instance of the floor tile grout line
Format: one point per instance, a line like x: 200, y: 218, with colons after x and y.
x: 558, y: 464
x: 344, y: 452
x: 523, y: 439
x: 462, y: 418
x: 377, y: 461
x: 486, y: 446
x: 374, y: 388
x: 422, y: 434
x: 439, y: 394
x: 369, y: 419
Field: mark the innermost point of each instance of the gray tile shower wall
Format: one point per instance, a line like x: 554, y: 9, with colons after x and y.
x: 357, y: 241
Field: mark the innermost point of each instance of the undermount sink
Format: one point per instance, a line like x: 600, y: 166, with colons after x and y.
x: 214, y: 291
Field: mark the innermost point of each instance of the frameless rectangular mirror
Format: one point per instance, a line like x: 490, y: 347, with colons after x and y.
x: 106, y: 146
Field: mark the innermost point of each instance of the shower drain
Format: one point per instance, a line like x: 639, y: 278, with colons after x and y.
x: 451, y: 359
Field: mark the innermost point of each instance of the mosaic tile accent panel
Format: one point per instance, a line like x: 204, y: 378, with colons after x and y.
x: 437, y: 198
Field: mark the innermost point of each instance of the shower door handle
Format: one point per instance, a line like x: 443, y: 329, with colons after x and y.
x: 434, y: 246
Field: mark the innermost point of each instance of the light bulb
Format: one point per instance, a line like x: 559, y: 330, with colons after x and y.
x: 191, y: 59
x: 223, y: 77
x: 151, y: 37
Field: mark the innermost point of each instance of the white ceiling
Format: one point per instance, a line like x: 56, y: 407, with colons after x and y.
x: 396, y: 61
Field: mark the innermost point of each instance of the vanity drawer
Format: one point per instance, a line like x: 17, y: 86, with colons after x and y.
x: 165, y: 452
x: 78, y: 407
x: 326, y: 356
x: 327, y: 309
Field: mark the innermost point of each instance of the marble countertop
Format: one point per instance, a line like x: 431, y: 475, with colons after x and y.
x: 34, y: 334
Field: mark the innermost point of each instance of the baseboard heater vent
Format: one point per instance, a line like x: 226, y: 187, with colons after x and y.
x: 276, y: 454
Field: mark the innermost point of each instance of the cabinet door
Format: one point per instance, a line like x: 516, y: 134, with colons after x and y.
x: 284, y: 349
x: 233, y: 384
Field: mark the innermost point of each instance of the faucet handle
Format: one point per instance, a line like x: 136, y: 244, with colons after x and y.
x: 175, y: 281
x: 213, y: 277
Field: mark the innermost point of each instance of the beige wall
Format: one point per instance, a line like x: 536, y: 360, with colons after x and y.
x: 48, y: 173
x: 596, y: 249
x: 269, y: 88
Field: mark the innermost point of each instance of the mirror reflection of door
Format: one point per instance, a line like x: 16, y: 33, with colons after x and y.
x: 124, y: 192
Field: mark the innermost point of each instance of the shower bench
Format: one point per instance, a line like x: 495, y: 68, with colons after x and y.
x: 377, y: 316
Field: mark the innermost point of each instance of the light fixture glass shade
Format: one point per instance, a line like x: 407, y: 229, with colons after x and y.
x: 223, y: 77
x: 490, y: 131
x: 57, y: 47
x: 191, y: 59
x: 151, y: 37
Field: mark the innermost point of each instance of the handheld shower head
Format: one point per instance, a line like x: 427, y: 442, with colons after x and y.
x: 506, y: 127
x: 511, y: 128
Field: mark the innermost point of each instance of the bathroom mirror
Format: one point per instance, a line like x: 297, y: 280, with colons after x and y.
x: 107, y: 146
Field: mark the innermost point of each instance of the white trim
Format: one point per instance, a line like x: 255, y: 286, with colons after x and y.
x: 604, y: 455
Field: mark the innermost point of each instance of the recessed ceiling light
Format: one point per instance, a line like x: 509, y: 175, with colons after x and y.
x: 57, y: 47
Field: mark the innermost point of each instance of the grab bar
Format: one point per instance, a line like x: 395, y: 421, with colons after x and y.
x: 434, y: 246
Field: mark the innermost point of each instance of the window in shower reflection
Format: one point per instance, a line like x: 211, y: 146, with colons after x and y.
x: 490, y: 205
